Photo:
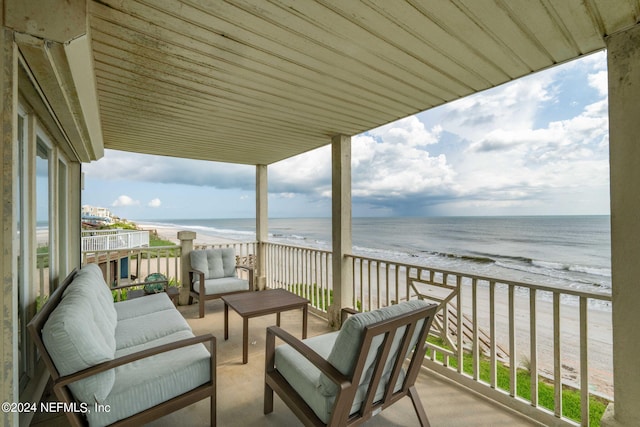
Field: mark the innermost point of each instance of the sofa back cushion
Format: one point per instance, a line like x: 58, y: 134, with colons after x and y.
x: 74, y: 336
x: 90, y: 282
x: 214, y: 263
x: 347, y: 346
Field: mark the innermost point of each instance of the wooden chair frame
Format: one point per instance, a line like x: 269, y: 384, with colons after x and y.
x: 61, y: 383
x: 347, y: 387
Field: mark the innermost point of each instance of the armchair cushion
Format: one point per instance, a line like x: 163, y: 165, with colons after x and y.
x: 304, y: 376
x: 214, y: 263
x: 347, y: 345
x: 224, y: 285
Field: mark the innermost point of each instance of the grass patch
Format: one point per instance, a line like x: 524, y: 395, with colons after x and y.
x: 571, y: 405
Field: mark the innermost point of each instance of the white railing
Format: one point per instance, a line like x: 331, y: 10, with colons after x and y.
x: 108, y: 240
x: 508, y: 326
x: 304, y: 271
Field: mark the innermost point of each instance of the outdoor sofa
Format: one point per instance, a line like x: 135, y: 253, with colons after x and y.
x: 131, y: 361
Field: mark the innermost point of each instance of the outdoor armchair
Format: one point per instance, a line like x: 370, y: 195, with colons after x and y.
x: 213, y: 274
x: 346, y: 377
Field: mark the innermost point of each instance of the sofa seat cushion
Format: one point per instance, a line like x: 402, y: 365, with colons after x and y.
x: 138, y: 330
x: 76, y: 337
x: 224, y: 285
x: 142, y: 306
x: 148, y: 382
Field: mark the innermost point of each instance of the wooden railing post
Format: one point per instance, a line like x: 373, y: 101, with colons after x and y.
x: 186, y: 241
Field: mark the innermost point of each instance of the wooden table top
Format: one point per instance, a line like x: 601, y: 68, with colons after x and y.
x: 250, y: 304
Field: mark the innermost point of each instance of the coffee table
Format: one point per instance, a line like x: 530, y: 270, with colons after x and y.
x: 260, y: 303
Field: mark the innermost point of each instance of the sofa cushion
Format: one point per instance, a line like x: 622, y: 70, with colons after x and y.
x: 148, y: 382
x: 97, y: 280
x: 89, y: 282
x: 142, y: 306
x: 75, y: 341
x: 344, y: 354
x: 142, y: 329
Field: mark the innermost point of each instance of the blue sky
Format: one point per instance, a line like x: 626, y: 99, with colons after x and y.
x: 535, y: 146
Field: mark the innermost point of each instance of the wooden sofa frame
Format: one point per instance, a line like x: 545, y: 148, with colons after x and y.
x: 202, y: 296
x: 347, y: 387
x: 61, y: 383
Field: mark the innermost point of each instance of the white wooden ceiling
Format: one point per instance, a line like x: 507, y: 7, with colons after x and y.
x: 256, y: 81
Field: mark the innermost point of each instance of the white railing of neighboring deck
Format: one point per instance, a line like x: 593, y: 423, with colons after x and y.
x: 108, y: 240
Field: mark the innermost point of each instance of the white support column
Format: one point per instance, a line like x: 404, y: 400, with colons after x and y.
x: 8, y: 220
x: 262, y: 225
x: 624, y: 130
x: 341, y: 227
x: 186, y: 243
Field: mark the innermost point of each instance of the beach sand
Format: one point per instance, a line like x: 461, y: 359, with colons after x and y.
x: 599, y: 326
x: 170, y: 233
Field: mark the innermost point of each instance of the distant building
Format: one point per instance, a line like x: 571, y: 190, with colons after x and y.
x: 95, y: 215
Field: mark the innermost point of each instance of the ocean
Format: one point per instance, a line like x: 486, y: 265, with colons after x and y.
x: 567, y: 251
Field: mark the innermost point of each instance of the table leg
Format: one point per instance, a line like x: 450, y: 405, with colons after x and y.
x: 245, y: 340
x: 226, y: 321
x: 304, y: 322
x: 278, y: 319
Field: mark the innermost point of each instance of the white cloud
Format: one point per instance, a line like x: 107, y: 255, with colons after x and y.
x: 125, y: 200
x: 391, y: 161
x: 155, y: 203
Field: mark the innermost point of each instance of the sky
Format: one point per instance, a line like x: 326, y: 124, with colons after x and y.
x: 535, y: 146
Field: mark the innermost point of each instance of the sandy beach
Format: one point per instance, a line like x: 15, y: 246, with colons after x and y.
x: 170, y: 233
x: 599, y: 326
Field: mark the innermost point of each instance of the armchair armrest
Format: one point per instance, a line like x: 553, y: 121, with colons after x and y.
x: 318, y: 361
x: 345, y: 312
x: 123, y: 360
x: 249, y: 271
x: 200, y: 280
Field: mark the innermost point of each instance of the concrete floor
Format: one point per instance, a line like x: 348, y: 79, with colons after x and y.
x: 240, y: 387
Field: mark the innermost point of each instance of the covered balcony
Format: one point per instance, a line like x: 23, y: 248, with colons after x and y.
x: 256, y: 82
x: 520, y: 342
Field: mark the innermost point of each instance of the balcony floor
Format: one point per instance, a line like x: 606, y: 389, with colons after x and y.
x: 240, y: 387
